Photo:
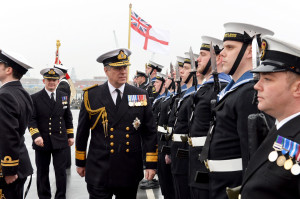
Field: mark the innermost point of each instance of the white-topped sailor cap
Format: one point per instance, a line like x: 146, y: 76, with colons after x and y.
x: 180, y: 61
x: 161, y: 77
x: 207, y: 40
x: 156, y: 66
x: 51, y: 73
x: 15, y: 60
x: 244, y: 32
x: 61, y: 67
x: 278, y: 56
x: 187, y: 58
x: 140, y: 74
x: 115, y: 58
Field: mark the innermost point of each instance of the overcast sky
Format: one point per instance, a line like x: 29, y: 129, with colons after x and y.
x: 85, y: 27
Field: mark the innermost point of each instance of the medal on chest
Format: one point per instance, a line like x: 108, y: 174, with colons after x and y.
x: 286, y: 147
x: 289, y: 163
x: 295, y: 170
x: 278, y: 147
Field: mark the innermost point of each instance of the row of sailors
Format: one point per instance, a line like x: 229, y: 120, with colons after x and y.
x: 204, y: 136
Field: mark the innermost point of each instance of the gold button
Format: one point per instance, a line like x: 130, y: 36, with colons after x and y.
x: 127, y: 128
x: 127, y: 143
x: 111, y: 129
x: 111, y: 136
x: 112, y: 144
x: 127, y: 150
x: 127, y: 135
x: 49, y: 128
x: 50, y: 118
x: 49, y: 123
x: 60, y: 122
x: 60, y: 132
x: 49, y: 133
x: 112, y: 151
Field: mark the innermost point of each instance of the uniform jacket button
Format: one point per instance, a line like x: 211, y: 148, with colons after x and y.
x: 112, y: 144
x: 112, y: 151
x: 127, y: 143
x: 127, y: 128
x: 111, y: 129
x: 127, y: 150
x: 127, y: 135
x: 111, y: 136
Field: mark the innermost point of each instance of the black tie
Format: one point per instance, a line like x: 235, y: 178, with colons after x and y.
x: 52, y: 100
x: 118, y: 98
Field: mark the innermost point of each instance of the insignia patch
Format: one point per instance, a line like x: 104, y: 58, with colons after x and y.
x: 136, y: 123
x: 264, y: 47
x: 64, y: 100
x: 122, y: 55
x: 51, y: 72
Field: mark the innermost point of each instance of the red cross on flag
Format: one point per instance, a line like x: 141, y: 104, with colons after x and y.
x: 149, y: 38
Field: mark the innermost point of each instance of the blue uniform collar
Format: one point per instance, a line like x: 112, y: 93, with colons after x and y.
x: 245, y: 78
x: 158, y: 97
x: 153, y: 79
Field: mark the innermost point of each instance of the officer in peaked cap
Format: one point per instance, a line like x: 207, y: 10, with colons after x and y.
x: 15, y: 110
x: 272, y: 174
x: 51, y: 129
x: 226, y: 150
x: 64, y: 86
x: 142, y: 79
x: 201, y: 114
x: 120, y: 117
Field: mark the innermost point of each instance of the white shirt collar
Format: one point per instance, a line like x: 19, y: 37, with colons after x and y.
x: 282, y: 122
x: 112, y: 88
x: 49, y: 93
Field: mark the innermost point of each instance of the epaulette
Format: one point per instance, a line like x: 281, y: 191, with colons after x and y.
x: 88, y: 88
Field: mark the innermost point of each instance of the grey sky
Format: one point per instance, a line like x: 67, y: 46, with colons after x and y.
x: 85, y: 27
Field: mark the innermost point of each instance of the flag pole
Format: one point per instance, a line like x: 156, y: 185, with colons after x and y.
x: 129, y: 32
x: 129, y: 28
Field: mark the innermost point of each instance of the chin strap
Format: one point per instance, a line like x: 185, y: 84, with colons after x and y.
x: 206, y: 67
x: 238, y: 59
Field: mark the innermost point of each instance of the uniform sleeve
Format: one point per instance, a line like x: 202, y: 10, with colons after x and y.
x: 9, y: 135
x: 64, y: 87
x: 32, y: 126
x: 149, y: 137
x: 244, y: 108
x: 69, y: 122
x: 82, y: 136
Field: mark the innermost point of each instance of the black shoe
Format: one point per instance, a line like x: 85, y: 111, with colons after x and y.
x: 151, y: 184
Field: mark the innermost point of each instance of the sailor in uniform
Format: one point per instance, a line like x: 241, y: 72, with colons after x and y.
x: 141, y: 80
x: 179, y: 145
x: 16, y: 109
x: 201, y: 114
x: 273, y: 171
x: 120, y: 118
x: 225, y: 152
x: 152, y: 71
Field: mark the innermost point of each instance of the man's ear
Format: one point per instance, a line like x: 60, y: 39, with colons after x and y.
x: 219, y: 59
x: 296, y: 89
x: 249, y: 52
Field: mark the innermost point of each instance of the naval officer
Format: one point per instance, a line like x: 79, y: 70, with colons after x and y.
x: 120, y: 119
x: 273, y: 171
x: 15, y: 109
x: 51, y: 129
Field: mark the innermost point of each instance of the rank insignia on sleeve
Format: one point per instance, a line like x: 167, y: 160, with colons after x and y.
x: 136, y: 123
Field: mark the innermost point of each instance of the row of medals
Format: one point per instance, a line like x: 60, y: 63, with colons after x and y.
x: 140, y: 103
x: 282, y: 161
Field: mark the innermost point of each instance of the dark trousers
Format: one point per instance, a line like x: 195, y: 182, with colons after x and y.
x: 182, y: 189
x: 107, y: 193
x: 197, y: 193
x: 165, y: 177
x: 42, y: 160
x: 14, y: 190
x: 69, y: 158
